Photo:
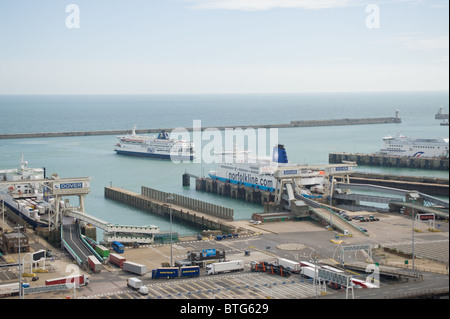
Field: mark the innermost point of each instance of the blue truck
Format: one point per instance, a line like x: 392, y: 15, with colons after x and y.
x: 175, y: 272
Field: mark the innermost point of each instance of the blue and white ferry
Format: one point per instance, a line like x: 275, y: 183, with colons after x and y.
x: 161, y: 146
x: 258, y: 172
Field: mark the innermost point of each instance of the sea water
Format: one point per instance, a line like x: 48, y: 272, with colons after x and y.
x: 94, y: 156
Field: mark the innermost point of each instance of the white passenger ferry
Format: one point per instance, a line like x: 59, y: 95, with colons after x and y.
x: 22, y: 192
x: 415, y: 147
x: 257, y: 172
x: 162, y: 146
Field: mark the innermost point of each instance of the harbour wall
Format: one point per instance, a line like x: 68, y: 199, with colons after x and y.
x: 361, y: 121
x: 180, y: 212
x: 428, y: 185
x: 390, y: 161
x: 309, y: 123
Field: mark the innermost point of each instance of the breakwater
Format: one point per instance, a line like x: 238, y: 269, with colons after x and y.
x: 390, y: 161
x: 182, y: 208
x: 382, y: 120
x: 308, y: 123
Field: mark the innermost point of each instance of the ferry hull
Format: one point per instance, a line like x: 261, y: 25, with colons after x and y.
x: 29, y: 220
x: 265, y: 188
x: 152, y: 155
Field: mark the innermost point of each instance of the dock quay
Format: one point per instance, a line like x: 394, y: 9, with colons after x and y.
x: 428, y: 185
x: 256, y: 196
x: 390, y: 161
x: 292, y: 124
x: 184, y: 209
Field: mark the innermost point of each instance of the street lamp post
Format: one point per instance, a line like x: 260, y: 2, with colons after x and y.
x: 170, y: 198
x: 20, y: 267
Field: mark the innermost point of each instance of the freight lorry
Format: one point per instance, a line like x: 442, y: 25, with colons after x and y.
x: 175, y: 272
x: 102, y: 251
x: 94, y: 264
x: 223, y: 267
x: 201, y: 257
x: 294, y: 266
x: 80, y: 280
x: 137, y: 284
x: 309, y: 272
x: 166, y: 273
x: 11, y: 289
x: 117, y: 260
x: 270, y: 268
x: 134, y: 268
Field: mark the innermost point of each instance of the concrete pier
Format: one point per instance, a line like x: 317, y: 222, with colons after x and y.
x: 247, y: 194
x: 156, y: 202
x: 390, y: 161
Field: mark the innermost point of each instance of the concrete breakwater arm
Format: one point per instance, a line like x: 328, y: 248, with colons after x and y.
x: 156, y: 202
x: 309, y: 123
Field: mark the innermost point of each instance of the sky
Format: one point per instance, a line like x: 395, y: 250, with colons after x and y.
x: 222, y: 46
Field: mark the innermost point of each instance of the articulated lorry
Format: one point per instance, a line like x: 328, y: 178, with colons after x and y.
x: 270, y: 268
x: 80, y: 280
x: 201, y: 257
x: 175, y: 272
x: 223, y: 267
x: 137, y: 284
x: 94, y: 264
x: 134, y: 268
x: 117, y: 260
x: 294, y: 266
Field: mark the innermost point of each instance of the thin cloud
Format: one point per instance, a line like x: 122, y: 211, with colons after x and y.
x: 426, y: 43
x: 260, y: 5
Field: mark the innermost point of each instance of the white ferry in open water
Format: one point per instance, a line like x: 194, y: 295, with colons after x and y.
x: 257, y: 172
x: 415, y: 147
x: 162, y: 146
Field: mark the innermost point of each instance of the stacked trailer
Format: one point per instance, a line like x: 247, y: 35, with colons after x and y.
x: 271, y: 269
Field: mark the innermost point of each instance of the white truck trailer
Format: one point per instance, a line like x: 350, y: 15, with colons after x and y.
x: 134, y: 268
x: 309, y: 272
x: 227, y: 266
x: 138, y: 285
x: 294, y: 265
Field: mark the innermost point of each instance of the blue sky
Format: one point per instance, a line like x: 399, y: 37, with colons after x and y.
x: 222, y: 46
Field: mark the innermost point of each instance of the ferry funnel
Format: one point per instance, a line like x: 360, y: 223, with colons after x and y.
x: 279, y: 154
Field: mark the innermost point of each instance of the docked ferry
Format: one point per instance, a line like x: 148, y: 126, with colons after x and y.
x: 258, y: 172
x: 162, y: 146
x: 415, y: 147
x: 25, y: 195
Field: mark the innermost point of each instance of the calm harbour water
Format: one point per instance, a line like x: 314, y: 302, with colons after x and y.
x: 94, y: 156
